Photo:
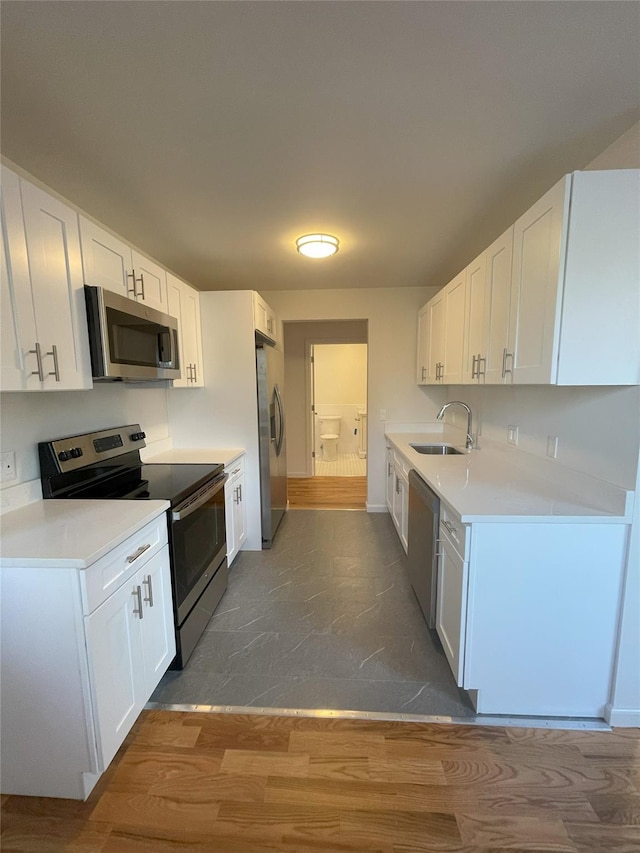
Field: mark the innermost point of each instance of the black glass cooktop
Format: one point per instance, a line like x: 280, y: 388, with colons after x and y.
x: 167, y: 482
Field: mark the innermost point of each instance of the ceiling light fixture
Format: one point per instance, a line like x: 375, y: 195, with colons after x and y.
x: 317, y: 245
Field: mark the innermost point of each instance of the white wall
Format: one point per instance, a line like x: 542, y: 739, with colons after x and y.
x: 624, y: 153
x: 392, y: 326
x: 27, y: 418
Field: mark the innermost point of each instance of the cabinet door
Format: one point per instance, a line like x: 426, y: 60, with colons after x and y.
x: 390, y: 480
x: 229, y: 512
x: 497, y: 299
x: 106, y: 260
x: 422, y: 351
x: 239, y: 515
x: 18, y: 364
x: 150, y: 282
x: 454, y: 299
x: 475, y: 352
x: 435, y: 346
x: 53, y: 248
x: 157, y: 627
x: 536, y: 291
x: 264, y: 318
x: 192, y: 338
x: 174, y: 308
x: 451, y: 605
x: 116, y: 667
x: 396, y: 500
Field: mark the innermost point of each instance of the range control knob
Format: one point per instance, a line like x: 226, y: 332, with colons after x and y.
x: 138, y: 436
x: 75, y: 452
x: 63, y: 456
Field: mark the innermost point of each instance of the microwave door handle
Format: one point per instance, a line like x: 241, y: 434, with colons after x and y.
x: 164, y: 346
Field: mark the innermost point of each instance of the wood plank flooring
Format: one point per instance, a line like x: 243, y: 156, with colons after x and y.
x: 205, y: 783
x: 327, y: 492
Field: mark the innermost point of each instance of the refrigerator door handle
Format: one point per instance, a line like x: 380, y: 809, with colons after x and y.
x: 280, y: 432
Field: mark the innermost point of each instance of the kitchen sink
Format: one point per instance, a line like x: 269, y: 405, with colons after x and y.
x: 435, y: 449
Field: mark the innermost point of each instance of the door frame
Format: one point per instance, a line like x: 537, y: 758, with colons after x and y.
x: 310, y: 414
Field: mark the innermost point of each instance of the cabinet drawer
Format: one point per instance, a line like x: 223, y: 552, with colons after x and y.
x: 401, y: 465
x: 104, y: 577
x: 234, y: 469
x: 452, y: 529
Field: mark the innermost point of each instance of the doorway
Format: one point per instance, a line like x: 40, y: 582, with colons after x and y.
x: 326, y: 395
x: 338, y: 409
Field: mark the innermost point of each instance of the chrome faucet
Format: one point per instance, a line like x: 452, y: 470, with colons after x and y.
x: 440, y: 415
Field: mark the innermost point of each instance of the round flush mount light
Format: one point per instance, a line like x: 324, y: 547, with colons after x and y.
x: 317, y: 245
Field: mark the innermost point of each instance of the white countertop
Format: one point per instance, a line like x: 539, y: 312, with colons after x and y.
x: 198, y: 456
x: 490, y: 485
x: 70, y: 533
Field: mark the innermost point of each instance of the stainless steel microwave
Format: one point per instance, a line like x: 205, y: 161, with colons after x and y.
x: 128, y: 340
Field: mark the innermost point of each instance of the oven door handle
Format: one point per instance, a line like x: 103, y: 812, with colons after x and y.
x: 199, y: 499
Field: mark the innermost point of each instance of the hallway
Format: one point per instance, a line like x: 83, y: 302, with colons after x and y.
x: 325, y: 619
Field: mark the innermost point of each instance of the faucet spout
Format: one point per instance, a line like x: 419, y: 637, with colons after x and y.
x: 440, y: 415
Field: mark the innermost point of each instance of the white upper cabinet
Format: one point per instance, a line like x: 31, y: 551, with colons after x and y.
x: 435, y: 338
x: 110, y: 263
x: 498, y: 260
x: 475, y: 338
x: 264, y: 318
x: 45, y: 319
x: 149, y: 282
x: 106, y: 259
x: 561, y: 293
x: 422, y: 360
x: 454, y: 298
x: 536, y: 287
x: 184, y: 304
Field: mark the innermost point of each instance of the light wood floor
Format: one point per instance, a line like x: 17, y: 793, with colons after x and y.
x: 205, y: 783
x: 327, y: 492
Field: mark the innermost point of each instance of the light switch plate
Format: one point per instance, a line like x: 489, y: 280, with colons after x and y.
x: 552, y: 446
x: 512, y: 434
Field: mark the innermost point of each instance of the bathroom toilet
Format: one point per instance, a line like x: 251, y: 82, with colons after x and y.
x: 329, y: 434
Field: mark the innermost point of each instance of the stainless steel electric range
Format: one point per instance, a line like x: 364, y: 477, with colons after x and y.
x: 107, y: 464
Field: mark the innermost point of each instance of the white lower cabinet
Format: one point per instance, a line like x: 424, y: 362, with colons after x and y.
x: 235, y: 512
x: 400, y: 499
x: 390, y: 479
x: 527, y: 613
x: 78, y: 666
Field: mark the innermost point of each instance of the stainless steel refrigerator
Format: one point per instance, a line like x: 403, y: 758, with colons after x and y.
x: 271, y: 429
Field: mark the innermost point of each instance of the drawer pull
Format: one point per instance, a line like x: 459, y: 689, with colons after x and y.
x: 235, y: 471
x: 137, y: 592
x: 148, y: 598
x: 133, y: 557
x: 452, y: 530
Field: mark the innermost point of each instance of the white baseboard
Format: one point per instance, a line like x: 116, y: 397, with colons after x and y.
x: 622, y: 717
x: 377, y: 508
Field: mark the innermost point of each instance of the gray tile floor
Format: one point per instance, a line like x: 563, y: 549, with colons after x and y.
x: 325, y: 619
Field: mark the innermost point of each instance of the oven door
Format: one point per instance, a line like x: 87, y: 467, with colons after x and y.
x: 198, y: 544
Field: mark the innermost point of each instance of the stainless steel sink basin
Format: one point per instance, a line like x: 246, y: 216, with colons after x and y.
x: 436, y: 449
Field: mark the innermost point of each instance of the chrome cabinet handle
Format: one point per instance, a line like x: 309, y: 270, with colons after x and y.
x: 147, y: 583
x: 132, y: 276
x: 195, y: 372
x: 483, y: 361
x: 236, y: 496
x: 505, y: 356
x: 56, y: 371
x: 38, y: 354
x: 235, y: 471
x: 141, y: 280
x: 137, y: 592
x: 388, y: 469
x: 189, y: 375
x: 397, y: 485
x: 437, y: 553
x: 133, y: 557
x: 424, y: 373
x: 473, y: 367
x: 452, y: 530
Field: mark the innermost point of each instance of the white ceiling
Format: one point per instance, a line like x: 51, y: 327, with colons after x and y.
x: 211, y: 134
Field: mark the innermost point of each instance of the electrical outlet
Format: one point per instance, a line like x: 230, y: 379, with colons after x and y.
x: 512, y: 434
x: 383, y: 414
x: 552, y: 446
x: 7, y: 466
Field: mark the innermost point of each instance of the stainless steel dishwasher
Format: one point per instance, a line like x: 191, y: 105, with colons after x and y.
x: 424, y: 520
